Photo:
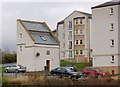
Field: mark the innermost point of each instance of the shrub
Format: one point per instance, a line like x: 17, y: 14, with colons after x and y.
x: 9, y: 58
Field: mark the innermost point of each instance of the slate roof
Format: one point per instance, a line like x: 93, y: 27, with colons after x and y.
x: 39, y: 32
x: 111, y: 3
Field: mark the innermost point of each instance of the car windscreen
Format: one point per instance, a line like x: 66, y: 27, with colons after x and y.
x: 69, y: 70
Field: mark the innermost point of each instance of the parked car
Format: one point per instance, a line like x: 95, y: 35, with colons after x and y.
x: 73, y: 67
x: 15, y: 68
x: 67, y: 72
x: 92, y: 71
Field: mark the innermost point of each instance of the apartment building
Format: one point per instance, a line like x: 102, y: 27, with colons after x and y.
x: 74, y: 35
x: 106, y: 36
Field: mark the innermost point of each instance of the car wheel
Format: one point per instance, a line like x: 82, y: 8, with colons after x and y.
x: 16, y: 71
x: 85, y: 75
x: 70, y: 77
x: 6, y: 71
x: 98, y: 76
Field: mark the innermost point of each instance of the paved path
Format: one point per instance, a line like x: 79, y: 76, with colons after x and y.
x: 7, y: 64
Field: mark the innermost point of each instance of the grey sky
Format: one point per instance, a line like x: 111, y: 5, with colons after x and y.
x: 49, y: 12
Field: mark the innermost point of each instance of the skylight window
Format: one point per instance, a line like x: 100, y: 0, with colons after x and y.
x: 43, y: 38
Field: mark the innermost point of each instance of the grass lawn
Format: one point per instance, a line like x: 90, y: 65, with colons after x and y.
x: 2, y: 69
x: 79, y: 65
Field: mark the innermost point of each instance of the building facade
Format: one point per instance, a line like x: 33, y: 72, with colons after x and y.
x: 106, y: 36
x: 74, y: 35
x: 37, y: 47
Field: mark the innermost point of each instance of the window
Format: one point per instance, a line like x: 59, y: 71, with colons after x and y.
x: 111, y: 27
x: 81, y: 21
x: 76, y: 32
x: 70, y: 24
x: 48, y: 52
x: 70, y: 53
x: 81, y: 51
x: 70, y: 44
x: 20, y: 48
x: 111, y: 11
x: 81, y: 31
x: 81, y: 41
x: 76, y: 21
x: 63, y: 35
x: 20, y: 35
x: 112, y: 59
x: 77, y: 52
x: 112, y: 43
x: 76, y: 42
x: 70, y: 35
x: 43, y: 38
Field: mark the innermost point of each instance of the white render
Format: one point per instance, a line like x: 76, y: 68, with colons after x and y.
x: 61, y: 36
x: 27, y: 57
x: 101, y: 36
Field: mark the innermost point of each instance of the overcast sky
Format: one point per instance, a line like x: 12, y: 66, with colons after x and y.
x: 49, y: 12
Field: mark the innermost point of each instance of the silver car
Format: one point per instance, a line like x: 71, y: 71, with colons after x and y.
x: 15, y: 68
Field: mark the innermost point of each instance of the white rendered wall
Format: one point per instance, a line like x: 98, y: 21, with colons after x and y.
x: 101, y: 36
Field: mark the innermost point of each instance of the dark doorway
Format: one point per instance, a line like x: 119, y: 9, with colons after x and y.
x: 48, y: 65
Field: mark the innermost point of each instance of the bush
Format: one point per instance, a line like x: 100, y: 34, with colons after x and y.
x: 9, y: 58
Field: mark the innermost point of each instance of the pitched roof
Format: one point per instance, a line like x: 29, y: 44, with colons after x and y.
x: 39, y: 32
x: 111, y: 3
x: 87, y: 14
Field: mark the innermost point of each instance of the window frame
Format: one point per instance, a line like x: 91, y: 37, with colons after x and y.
x: 111, y: 11
x: 81, y: 41
x: 76, y: 52
x: 82, y: 52
x: 112, y: 42
x: 112, y: 59
x: 111, y: 26
x: 77, y: 42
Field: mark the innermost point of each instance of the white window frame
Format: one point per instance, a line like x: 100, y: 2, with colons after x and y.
x: 76, y: 21
x: 70, y: 54
x: 70, y: 35
x: 77, y: 52
x: 80, y: 32
x: 112, y: 59
x: 76, y: 32
x: 82, y: 42
x: 82, y: 52
x: 21, y: 35
x: 21, y: 48
x: 111, y: 26
x: 77, y: 41
x: 81, y: 21
x: 111, y: 11
x: 112, y: 42
x: 70, y: 24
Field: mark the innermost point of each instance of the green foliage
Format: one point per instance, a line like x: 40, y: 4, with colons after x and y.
x: 9, y: 58
x: 79, y: 65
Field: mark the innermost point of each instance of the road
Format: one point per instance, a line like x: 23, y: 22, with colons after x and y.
x: 7, y: 64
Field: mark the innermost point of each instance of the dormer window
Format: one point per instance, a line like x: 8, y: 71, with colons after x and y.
x: 43, y: 38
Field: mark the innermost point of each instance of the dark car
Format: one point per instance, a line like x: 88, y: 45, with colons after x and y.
x: 73, y: 67
x: 64, y: 71
x: 92, y: 71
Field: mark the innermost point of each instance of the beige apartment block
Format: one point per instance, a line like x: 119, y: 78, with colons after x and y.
x: 74, y: 35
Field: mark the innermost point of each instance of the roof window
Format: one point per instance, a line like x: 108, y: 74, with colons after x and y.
x: 43, y: 38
